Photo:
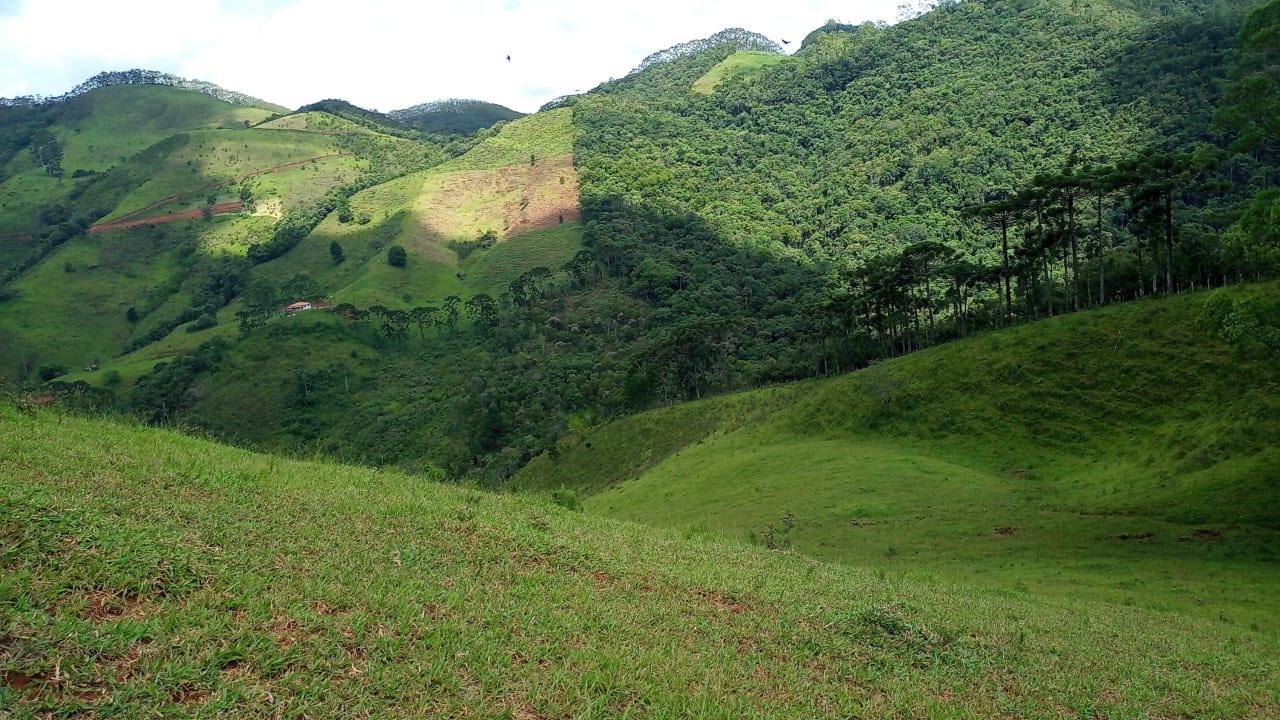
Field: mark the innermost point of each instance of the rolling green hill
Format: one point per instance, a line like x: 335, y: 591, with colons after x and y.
x: 70, y: 309
x: 746, y: 220
x: 1126, y: 454
x: 518, y: 183
x: 89, y: 134
x: 149, y: 573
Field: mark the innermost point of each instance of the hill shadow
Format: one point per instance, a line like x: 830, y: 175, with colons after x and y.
x: 1178, y: 66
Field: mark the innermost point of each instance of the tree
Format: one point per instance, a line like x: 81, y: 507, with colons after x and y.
x: 1155, y: 177
x: 335, y: 252
x: 424, y: 317
x: 1000, y: 214
x: 482, y: 309
x: 1251, y: 103
x: 450, y: 317
x: 131, y: 315
x: 396, y: 256
x: 301, y: 287
x: 1068, y: 187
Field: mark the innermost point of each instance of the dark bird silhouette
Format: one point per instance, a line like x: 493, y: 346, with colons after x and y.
x: 786, y: 42
x: 508, y: 58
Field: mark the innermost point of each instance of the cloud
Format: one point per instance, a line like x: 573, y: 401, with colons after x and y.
x: 383, y: 54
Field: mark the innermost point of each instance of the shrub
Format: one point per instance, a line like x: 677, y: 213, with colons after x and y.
x: 396, y: 256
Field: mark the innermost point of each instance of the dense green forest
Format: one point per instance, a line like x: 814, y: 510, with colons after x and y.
x: 885, y: 189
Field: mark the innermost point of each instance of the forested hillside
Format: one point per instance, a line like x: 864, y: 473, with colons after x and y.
x: 748, y: 218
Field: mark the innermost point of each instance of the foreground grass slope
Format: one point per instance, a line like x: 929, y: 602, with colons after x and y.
x: 1127, y: 454
x: 151, y: 574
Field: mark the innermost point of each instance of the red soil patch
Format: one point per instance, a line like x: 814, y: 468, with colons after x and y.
x: 720, y: 601
x: 219, y: 209
x: 18, y: 236
x: 20, y: 681
x: 104, y: 606
x: 34, y: 400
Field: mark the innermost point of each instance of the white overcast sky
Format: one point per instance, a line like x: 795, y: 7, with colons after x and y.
x: 381, y: 54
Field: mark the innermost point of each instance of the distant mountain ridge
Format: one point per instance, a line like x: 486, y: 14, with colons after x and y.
x: 740, y: 38
x: 455, y: 115
x: 147, y: 77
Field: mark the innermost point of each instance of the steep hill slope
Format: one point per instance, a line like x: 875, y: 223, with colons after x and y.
x: 95, y: 281
x: 154, y: 574
x: 85, y: 135
x: 518, y: 183
x: 1068, y: 457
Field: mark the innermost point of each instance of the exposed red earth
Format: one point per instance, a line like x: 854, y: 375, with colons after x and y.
x: 219, y: 209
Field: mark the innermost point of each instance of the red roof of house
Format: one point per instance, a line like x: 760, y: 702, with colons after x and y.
x: 297, y: 305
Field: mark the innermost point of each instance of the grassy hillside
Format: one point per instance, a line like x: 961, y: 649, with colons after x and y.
x: 283, y: 169
x: 743, y: 63
x: 519, y: 183
x: 103, y: 128
x: 1127, y: 453
x: 153, y: 574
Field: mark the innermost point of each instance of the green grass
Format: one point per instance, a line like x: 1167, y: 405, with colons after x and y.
x: 103, y: 127
x: 545, y: 134
x: 492, y: 270
x: 1073, y: 432
x: 316, y: 121
x: 426, y: 211
x: 23, y: 193
x: 151, y: 574
x: 740, y: 64
x: 71, y: 308
x: 213, y: 158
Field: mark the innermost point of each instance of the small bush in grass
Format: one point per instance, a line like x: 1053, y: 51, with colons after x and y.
x: 396, y: 256
x: 567, y: 499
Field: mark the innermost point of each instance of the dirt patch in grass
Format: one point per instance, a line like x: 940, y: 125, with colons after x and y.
x: 219, y: 209
x: 721, y: 601
x: 103, y: 606
x: 1006, y: 531
x: 1140, y: 537
x: 190, y: 694
x: 286, y: 631
x: 1202, y: 534
x: 525, y: 711
x: 510, y: 200
x: 20, y: 681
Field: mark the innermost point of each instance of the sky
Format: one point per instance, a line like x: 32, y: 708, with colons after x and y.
x: 381, y: 54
